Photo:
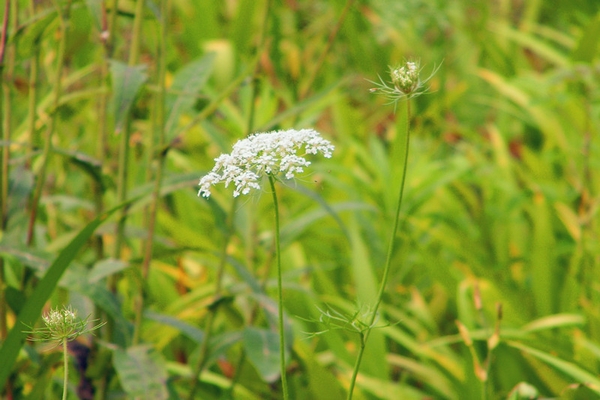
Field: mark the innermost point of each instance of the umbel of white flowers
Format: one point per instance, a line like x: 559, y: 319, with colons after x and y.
x: 280, y: 152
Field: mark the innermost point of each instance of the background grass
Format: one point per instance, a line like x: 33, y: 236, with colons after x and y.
x: 495, y: 281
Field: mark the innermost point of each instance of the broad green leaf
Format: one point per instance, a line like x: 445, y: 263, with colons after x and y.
x: 141, y: 372
x: 126, y: 84
x: 32, y: 309
x: 262, y: 348
x: 183, y: 92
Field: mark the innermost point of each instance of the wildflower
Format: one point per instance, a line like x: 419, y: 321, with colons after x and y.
x: 264, y: 153
x: 62, y: 325
x: 405, y: 82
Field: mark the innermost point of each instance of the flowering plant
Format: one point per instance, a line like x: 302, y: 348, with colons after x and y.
x: 259, y: 154
x: 264, y: 153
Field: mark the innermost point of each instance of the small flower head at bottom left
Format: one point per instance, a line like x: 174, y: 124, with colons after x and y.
x: 62, y: 325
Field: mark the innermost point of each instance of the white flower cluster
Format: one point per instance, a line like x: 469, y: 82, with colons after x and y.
x: 56, y: 319
x: 264, y: 153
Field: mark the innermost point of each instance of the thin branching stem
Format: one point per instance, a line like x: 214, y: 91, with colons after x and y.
x: 279, y: 292
x: 388, y: 261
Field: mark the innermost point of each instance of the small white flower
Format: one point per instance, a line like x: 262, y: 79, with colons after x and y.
x: 264, y: 153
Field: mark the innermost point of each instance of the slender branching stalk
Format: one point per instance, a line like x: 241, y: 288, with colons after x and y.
x: 284, y: 383
x: 405, y: 84
x: 364, y: 336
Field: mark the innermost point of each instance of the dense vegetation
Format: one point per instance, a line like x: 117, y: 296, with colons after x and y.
x: 113, y: 110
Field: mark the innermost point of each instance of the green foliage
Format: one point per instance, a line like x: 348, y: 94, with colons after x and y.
x: 494, y: 283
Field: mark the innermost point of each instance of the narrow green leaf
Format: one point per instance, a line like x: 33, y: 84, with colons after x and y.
x: 32, y: 309
x: 183, y: 92
x: 105, y: 268
x: 574, y: 371
x: 141, y: 372
x: 126, y: 84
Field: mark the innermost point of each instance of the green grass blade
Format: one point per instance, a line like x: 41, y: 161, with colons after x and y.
x: 575, y: 372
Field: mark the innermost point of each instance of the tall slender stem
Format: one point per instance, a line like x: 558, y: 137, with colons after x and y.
x: 4, y: 152
x: 279, y: 292
x: 123, y: 172
x: 66, y: 370
x: 47, y: 152
x: 388, y: 260
x: 157, y: 155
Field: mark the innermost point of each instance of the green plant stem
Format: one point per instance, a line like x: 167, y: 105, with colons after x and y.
x: 66, y: 367
x: 388, y: 260
x: 279, y: 291
x: 4, y: 152
x: 158, y: 159
x: 47, y: 152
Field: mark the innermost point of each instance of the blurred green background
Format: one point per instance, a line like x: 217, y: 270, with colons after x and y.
x: 495, y: 286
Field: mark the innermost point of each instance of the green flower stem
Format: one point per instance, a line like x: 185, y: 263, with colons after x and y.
x: 388, y: 262
x: 47, y: 152
x: 66, y: 367
x: 279, y: 291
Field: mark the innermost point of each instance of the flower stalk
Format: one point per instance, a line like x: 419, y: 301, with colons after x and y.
x: 62, y: 326
x: 251, y: 159
x: 405, y: 84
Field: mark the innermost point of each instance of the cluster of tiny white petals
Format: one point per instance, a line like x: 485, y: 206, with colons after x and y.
x: 405, y: 82
x: 264, y: 153
x: 406, y: 78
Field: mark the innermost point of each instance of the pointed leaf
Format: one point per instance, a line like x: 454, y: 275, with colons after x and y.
x: 188, y: 81
x: 126, y: 83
